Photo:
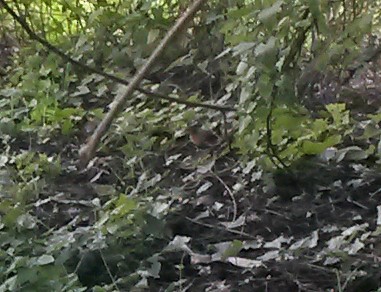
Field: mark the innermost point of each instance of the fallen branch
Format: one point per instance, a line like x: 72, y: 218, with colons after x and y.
x: 88, y: 150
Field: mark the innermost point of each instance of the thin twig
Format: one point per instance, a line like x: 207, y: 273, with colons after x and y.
x: 230, y: 194
x: 108, y: 270
x: 220, y: 228
x: 270, y: 146
x: 350, y: 277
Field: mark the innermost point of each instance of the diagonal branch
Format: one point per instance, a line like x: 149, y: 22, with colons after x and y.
x: 88, y: 150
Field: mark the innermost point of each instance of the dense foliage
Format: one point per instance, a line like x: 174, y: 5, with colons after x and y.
x: 290, y: 70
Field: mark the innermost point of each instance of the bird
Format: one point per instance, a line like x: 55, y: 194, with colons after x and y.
x: 203, y: 138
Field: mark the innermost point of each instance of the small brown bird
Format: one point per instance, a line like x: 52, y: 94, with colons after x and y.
x: 203, y: 138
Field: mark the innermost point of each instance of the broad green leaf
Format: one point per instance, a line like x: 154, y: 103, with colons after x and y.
x: 319, y: 126
x: 239, y: 12
x: 152, y: 35
x: 265, y: 85
x: 314, y: 6
x: 370, y: 131
x: 266, y: 55
x: 339, y: 114
x: 124, y: 205
x: 233, y: 249
x: 313, y: 148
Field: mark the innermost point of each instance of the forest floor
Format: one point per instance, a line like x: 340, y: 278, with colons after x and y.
x: 312, y: 227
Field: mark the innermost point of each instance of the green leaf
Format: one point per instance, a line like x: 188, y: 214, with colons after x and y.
x: 124, y: 205
x: 265, y: 85
x: 266, y: 55
x: 152, y: 35
x: 241, y: 11
x: 319, y: 126
x: 314, y: 6
x: 339, y: 114
x: 234, y: 248
x: 313, y: 148
x: 98, y: 289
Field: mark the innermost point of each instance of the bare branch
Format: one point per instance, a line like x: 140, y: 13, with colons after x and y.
x: 88, y: 150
